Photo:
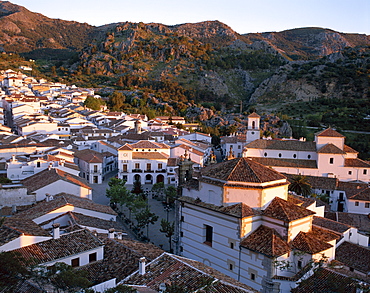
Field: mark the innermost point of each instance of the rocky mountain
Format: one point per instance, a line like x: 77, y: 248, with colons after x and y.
x: 25, y: 31
x: 201, y: 63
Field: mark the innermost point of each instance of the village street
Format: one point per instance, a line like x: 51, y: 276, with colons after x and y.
x: 156, y: 206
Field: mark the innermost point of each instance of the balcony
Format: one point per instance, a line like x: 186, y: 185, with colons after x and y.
x: 149, y: 171
x: 160, y: 171
x: 137, y: 171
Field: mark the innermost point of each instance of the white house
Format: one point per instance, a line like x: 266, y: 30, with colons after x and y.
x: 326, y: 156
x: 144, y: 161
x: 237, y: 218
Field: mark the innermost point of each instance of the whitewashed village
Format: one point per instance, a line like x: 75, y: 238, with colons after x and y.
x: 236, y: 222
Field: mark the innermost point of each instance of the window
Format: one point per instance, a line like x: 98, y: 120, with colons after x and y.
x: 232, y: 245
x: 124, y: 168
x: 38, y: 164
x: 75, y: 262
x: 265, y: 154
x: 309, y: 157
x: 137, y: 165
x: 181, y: 249
x: 299, y: 264
x: 253, y: 276
x: 231, y: 266
x: 182, y: 218
x: 294, y: 156
x: 356, y: 203
x: 349, y: 172
x: 280, y: 155
x: 365, y: 172
x: 209, y: 235
x: 367, y: 205
x: 239, y: 147
x: 148, y: 167
x: 95, y: 168
x: 160, y: 166
x: 181, y: 234
x: 331, y: 161
x: 92, y: 257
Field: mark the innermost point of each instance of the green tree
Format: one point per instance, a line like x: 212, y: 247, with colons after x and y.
x: 93, y: 103
x: 168, y: 229
x: 65, y: 278
x: 120, y: 289
x: 138, y: 189
x: 13, y: 268
x: 300, y: 185
x: 158, y: 189
x: 144, y: 218
x: 117, y: 100
x: 171, y: 194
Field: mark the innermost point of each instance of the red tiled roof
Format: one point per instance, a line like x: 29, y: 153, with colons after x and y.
x: 285, y: 210
x: 330, y: 149
x: 55, y: 249
x: 295, y: 163
x: 267, y: 241
x: 254, y: 115
x: 325, y: 280
x: 308, y: 243
x: 47, y: 177
x: 89, y: 156
x: 329, y: 132
x: 330, y: 224
x: 241, y: 170
x: 172, y: 162
x: 278, y: 144
x: 149, y: 155
x: 146, y: 144
x: 362, y: 195
x: 348, y: 149
x: 354, y: 256
x: 356, y: 163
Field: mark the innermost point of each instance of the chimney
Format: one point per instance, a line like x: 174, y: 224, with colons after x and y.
x: 142, y: 264
x: 14, y: 209
x: 56, y: 231
x: 111, y: 233
x: 119, y: 235
x: 50, y: 166
x: 62, y: 161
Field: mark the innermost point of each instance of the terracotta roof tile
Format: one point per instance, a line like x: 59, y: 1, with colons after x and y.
x: 254, y: 115
x: 295, y: 163
x: 308, y: 243
x: 267, y: 241
x: 47, y: 177
x: 125, y: 147
x: 330, y: 224
x: 318, y: 182
x: 185, y: 273
x: 89, y: 156
x: 356, y: 163
x: 146, y: 144
x: 172, y: 162
x: 361, y: 222
x: 329, y: 132
x: 354, y: 256
x: 149, y: 155
x: 278, y: 144
x: 325, y: 280
x: 285, y: 210
x: 241, y: 170
x: 330, y: 149
x: 348, y: 149
x: 364, y: 194
x: 54, y: 249
x: 61, y: 200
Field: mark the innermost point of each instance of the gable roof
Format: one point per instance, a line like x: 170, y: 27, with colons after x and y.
x: 60, y: 200
x: 267, y: 241
x: 241, y: 170
x: 356, y: 162
x: 329, y: 132
x: 189, y: 274
x: 280, y: 162
x: 284, y: 145
x: 331, y: 149
x: 150, y: 155
x: 330, y: 224
x: 308, y: 243
x: 53, y: 249
x: 47, y: 177
x: 354, y: 256
x: 89, y: 156
x: 286, y: 211
x: 364, y: 194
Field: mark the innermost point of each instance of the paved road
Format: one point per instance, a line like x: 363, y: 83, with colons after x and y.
x: 156, y: 206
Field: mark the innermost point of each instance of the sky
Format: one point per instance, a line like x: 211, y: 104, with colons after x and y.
x: 243, y: 16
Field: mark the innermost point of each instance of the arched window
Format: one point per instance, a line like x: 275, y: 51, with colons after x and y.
x: 253, y: 124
